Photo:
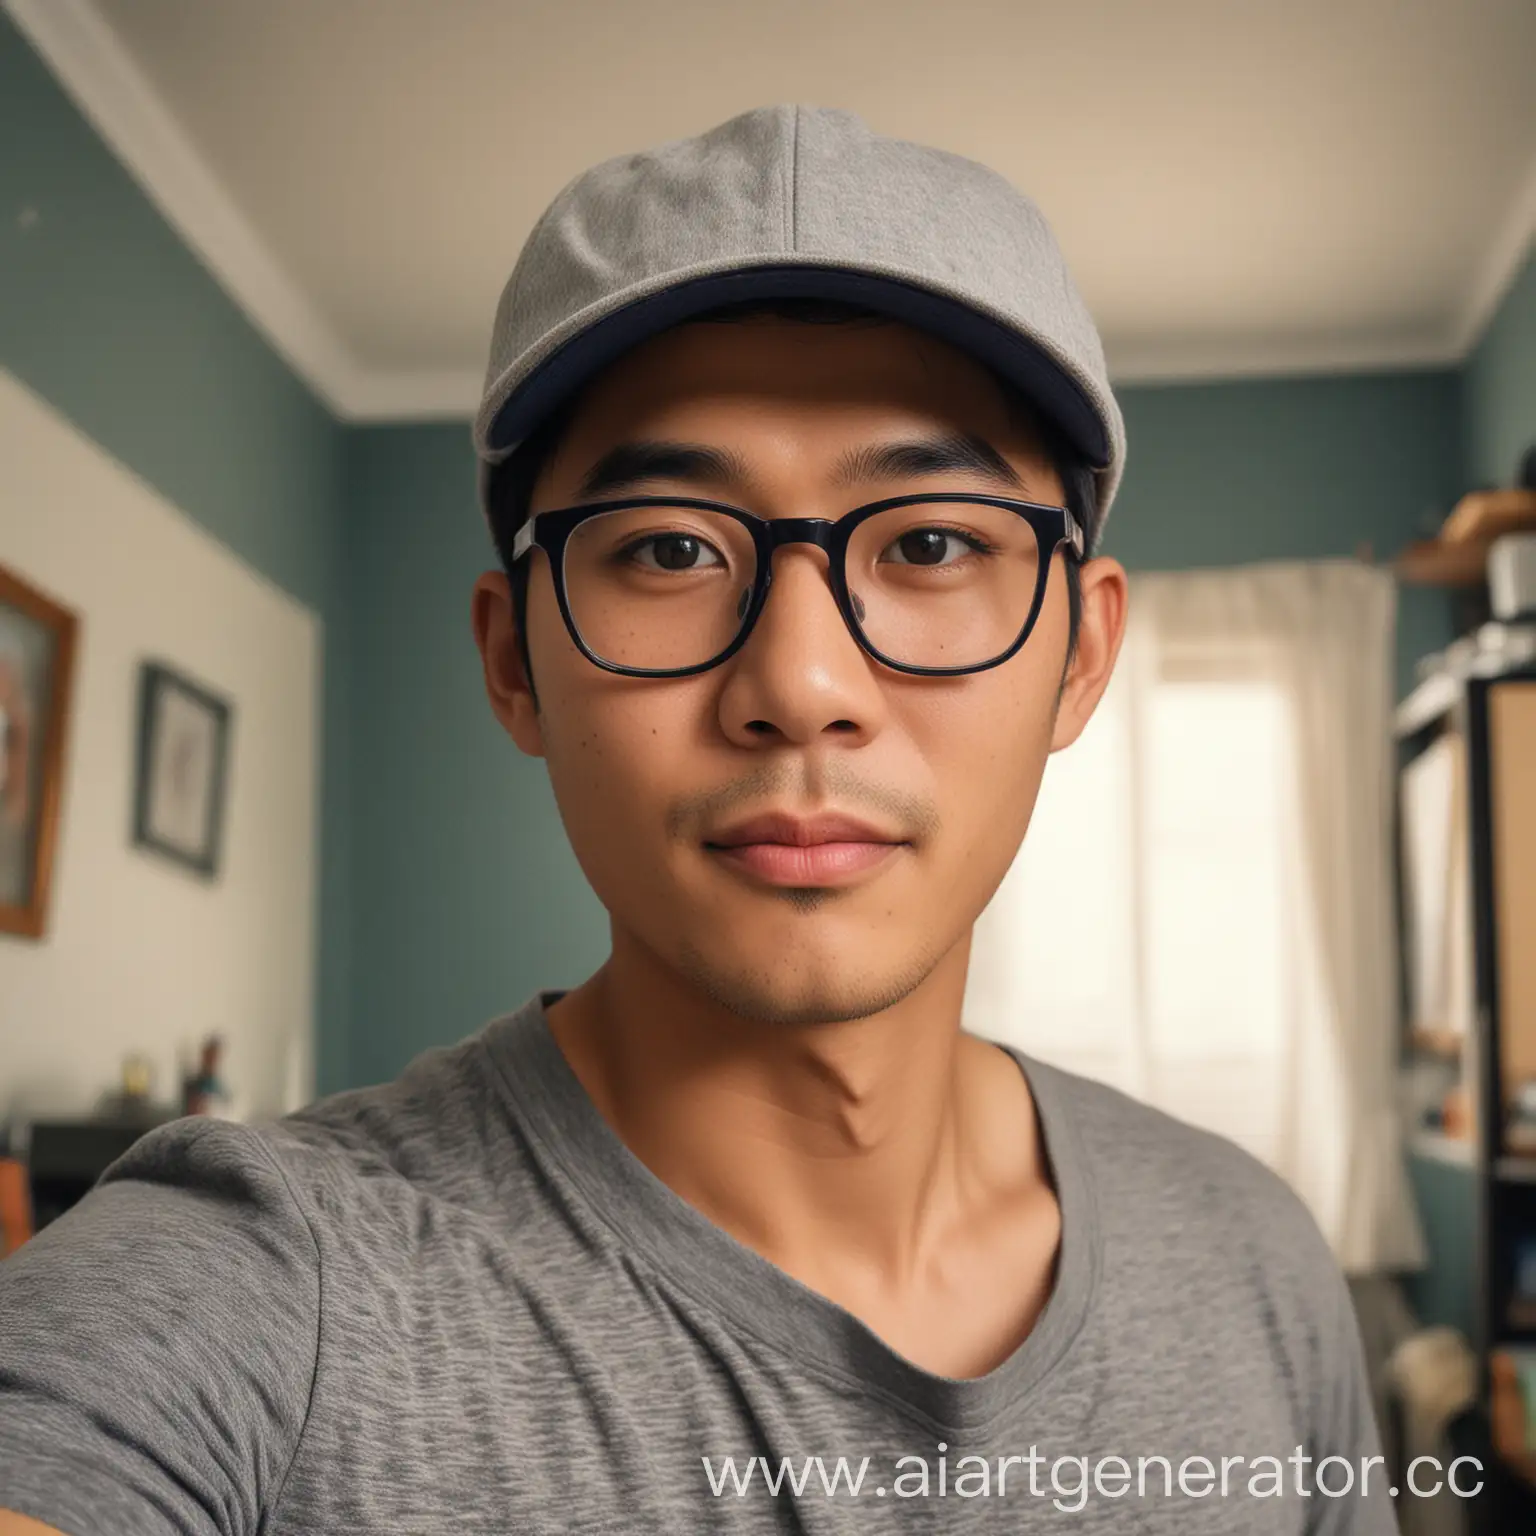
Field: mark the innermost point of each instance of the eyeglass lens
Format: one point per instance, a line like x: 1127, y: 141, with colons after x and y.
x: 939, y: 584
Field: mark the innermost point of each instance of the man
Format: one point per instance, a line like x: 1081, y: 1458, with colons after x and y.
x: 797, y: 441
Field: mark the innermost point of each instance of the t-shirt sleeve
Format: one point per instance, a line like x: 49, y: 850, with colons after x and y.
x: 158, y: 1343
x: 1346, y: 1430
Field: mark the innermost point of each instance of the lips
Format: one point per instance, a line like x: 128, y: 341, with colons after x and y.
x: 822, y: 850
x: 801, y: 832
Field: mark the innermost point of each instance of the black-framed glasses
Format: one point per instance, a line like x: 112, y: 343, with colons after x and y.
x: 935, y: 584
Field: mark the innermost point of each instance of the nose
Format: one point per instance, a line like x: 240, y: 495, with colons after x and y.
x: 801, y: 676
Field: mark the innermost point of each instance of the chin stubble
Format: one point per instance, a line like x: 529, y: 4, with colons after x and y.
x: 751, y: 993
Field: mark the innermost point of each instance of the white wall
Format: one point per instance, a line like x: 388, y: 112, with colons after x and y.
x: 140, y: 954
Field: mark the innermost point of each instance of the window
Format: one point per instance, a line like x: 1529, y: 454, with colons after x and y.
x: 1154, y: 931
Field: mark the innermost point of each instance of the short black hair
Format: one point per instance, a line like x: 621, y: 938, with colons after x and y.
x: 509, y: 488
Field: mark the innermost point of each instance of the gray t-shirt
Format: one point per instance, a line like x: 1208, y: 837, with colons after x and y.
x: 456, y: 1303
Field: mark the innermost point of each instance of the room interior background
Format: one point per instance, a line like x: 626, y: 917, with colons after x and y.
x: 441, y: 886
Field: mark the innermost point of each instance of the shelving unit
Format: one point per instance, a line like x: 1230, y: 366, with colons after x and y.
x: 1493, y: 719
x: 1515, y: 1170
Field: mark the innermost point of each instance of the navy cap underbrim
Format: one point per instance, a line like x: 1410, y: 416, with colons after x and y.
x: 1042, y: 380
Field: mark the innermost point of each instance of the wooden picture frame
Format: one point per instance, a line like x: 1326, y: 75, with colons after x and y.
x: 182, y: 768
x: 37, y: 665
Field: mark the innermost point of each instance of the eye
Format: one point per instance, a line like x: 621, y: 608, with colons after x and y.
x: 673, y: 552
x: 932, y: 546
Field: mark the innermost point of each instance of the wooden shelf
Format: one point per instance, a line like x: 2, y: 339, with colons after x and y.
x: 1487, y: 515
x: 1435, y: 563
x: 1446, y: 1044
x: 1458, y: 557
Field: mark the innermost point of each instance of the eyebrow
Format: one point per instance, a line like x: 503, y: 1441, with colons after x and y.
x: 928, y: 456
x: 628, y: 465
x: 632, y: 464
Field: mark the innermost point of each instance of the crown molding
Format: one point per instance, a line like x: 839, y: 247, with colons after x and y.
x: 1503, y: 263
x: 401, y: 395
x: 115, y: 96
x: 1212, y: 362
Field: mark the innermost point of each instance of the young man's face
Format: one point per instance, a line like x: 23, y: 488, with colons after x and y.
x: 653, y: 775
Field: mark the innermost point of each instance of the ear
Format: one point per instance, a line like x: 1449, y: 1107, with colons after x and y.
x: 506, y: 681
x: 1101, y: 627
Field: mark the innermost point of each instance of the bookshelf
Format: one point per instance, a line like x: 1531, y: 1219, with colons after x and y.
x: 1473, y: 1051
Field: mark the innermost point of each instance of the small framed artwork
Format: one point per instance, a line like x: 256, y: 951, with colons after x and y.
x: 37, y: 659
x: 182, y: 768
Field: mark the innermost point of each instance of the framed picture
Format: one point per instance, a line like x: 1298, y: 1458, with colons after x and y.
x: 182, y: 765
x: 37, y: 659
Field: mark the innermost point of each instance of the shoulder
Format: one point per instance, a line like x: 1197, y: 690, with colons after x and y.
x: 1144, y: 1150
x: 1209, y: 1252
x: 1188, y: 1199
x: 161, y: 1338
x: 438, y: 1129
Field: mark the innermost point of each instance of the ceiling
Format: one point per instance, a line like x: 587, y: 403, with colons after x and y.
x: 1241, y: 186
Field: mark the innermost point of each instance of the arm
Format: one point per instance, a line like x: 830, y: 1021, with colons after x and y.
x: 160, y: 1344
x: 12, y: 1524
x: 1345, y: 1425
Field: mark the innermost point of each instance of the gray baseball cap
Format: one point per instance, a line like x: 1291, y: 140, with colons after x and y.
x: 796, y: 202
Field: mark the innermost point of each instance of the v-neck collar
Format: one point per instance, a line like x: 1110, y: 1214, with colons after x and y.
x: 573, y: 1142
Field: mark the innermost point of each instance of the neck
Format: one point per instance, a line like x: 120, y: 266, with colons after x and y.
x: 832, y: 1148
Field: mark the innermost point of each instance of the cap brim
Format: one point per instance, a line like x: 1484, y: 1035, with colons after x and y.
x: 1038, y: 376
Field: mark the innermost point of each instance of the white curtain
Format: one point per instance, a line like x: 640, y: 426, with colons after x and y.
x: 1202, y: 913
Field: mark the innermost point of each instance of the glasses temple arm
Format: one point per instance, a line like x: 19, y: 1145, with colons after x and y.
x: 522, y: 540
x: 1074, y: 534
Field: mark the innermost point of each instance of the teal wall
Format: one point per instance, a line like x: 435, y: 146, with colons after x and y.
x: 105, y: 314
x: 1445, y: 1290
x: 467, y: 895
x: 1499, y: 387
x: 1284, y: 469
x: 109, y: 317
